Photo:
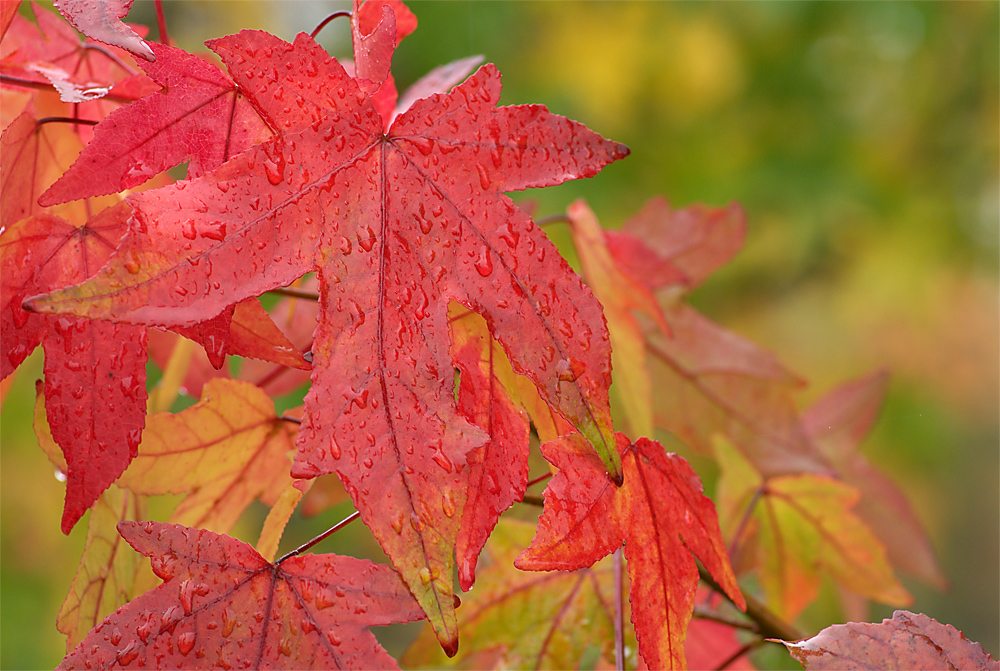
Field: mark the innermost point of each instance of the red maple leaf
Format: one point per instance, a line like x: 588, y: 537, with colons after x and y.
x: 95, y: 372
x: 662, y: 517
x: 222, y: 605
x: 101, y: 20
x: 398, y: 223
x: 199, y: 116
x: 906, y: 641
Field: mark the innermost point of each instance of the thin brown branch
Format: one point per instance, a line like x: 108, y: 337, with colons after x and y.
x: 739, y: 653
x: 288, y: 418
x: 322, y: 24
x: 161, y: 22
x: 329, y: 532
x: 769, y: 625
x: 552, y: 219
x: 619, y: 611
x: 533, y: 500
x: 706, y: 613
x: 104, y: 51
x: 66, y: 119
x: 295, y: 293
x: 540, y: 478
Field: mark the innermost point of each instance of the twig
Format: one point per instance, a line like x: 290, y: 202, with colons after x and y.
x: 533, y: 500
x: 706, y: 613
x: 540, y: 478
x: 769, y: 625
x: 739, y: 653
x: 552, y: 219
x: 322, y: 24
x: 101, y: 49
x: 295, y: 293
x: 65, y: 119
x: 288, y: 418
x: 619, y: 612
x: 161, y: 22
x: 45, y: 86
x: 329, y: 532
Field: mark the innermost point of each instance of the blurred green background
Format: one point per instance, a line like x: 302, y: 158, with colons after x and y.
x: 862, y: 140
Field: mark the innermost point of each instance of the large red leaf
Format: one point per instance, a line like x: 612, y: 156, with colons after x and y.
x: 397, y: 224
x: 907, y: 641
x: 222, y: 605
x: 199, y: 116
x: 95, y: 372
x: 661, y: 516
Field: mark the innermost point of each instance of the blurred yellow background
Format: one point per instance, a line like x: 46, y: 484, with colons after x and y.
x: 862, y: 140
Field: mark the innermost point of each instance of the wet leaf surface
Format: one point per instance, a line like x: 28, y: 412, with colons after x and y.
x: 223, y: 606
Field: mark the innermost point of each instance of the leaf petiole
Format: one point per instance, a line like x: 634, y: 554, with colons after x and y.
x: 322, y: 24
x: 329, y: 532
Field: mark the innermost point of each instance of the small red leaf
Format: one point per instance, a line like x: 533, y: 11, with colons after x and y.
x: 223, y: 605
x: 907, y: 641
x: 198, y: 105
x: 661, y: 516
x: 101, y: 20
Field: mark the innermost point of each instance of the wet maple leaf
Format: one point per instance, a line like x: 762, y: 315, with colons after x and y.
x: 530, y: 620
x: 102, y: 21
x: 199, y: 104
x: 661, y: 516
x: 95, y: 374
x: 805, y: 527
x: 906, y: 641
x: 223, y: 605
x: 397, y: 223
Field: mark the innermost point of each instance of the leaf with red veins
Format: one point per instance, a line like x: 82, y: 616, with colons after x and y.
x: 658, y: 241
x: 223, y: 605
x: 661, y: 516
x: 499, y: 469
x: 200, y: 116
x: 95, y: 372
x: 907, y: 641
x: 398, y: 224
x: 101, y: 20
x: 837, y: 423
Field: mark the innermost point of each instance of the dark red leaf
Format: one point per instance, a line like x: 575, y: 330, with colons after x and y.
x: 222, y: 605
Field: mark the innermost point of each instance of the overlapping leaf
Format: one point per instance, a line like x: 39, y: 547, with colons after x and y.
x: 708, y: 380
x: 223, y: 605
x: 102, y: 21
x: 837, y: 423
x: 906, y: 641
x: 223, y: 452
x: 661, y: 516
x: 805, y: 528
x: 527, y: 620
x: 397, y: 223
x: 95, y: 375
x: 200, y: 116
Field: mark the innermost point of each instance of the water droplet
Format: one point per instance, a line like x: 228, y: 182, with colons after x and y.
x: 425, y: 575
x: 397, y: 523
x: 146, y: 628
x: 189, y: 230
x: 132, y: 261
x: 215, y: 230
x: 285, y: 646
x: 324, y: 599
x: 484, y: 263
x: 228, y: 621
x: 116, y: 636
x: 448, y: 503
x: 187, y: 595
x: 484, y: 177
x: 366, y: 239
x: 185, y: 642
x: 128, y: 654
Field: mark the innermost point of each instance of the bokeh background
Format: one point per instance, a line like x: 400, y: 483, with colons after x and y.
x: 862, y: 140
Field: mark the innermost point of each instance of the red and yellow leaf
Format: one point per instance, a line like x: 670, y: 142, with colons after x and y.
x: 661, y: 516
x: 223, y: 605
x: 225, y: 451
x: 837, y: 423
x: 806, y: 528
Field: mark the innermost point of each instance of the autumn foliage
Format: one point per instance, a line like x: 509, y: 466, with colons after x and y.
x: 444, y: 347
